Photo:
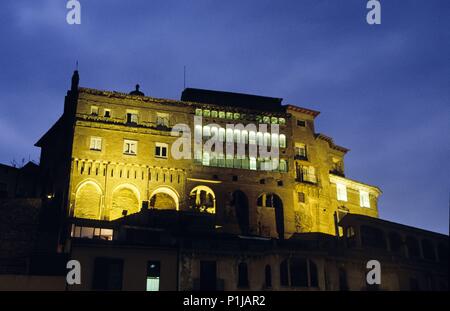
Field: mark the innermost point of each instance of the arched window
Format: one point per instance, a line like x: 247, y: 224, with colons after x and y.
x: 268, y: 276
x: 282, y: 141
x: 202, y: 199
x: 88, y: 200
x: 125, y: 201
x: 298, y: 272
x: 164, y: 198
x: 275, y: 142
x: 242, y: 275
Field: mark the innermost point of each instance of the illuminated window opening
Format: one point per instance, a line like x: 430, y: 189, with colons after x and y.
x: 161, y: 150
x: 132, y: 117
x: 130, y: 147
x: 96, y: 143
x: 282, y: 141
x: 94, y: 110
x: 153, y: 275
x: 162, y: 119
x: 364, y: 200
x: 341, y: 191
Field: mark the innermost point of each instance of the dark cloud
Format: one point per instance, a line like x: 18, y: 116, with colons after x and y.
x: 383, y: 90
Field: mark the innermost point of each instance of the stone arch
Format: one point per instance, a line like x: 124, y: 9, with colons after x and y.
x: 125, y: 197
x: 165, y: 198
x: 88, y: 200
x: 203, y: 199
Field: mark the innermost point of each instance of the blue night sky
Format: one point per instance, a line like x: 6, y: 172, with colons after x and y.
x: 383, y: 90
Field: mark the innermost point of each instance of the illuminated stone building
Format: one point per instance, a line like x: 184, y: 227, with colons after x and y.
x: 120, y: 160
x: 137, y: 217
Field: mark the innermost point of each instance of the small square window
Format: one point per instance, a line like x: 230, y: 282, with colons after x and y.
x: 96, y: 143
x: 281, y: 121
x: 206, y: 113
x: 162, y: 119
x: 301, y: 123
x: 266, y: 120
x: 229, y: 115
x: 198, y: 112
x: 161, y: 150
x: 130, y: 147
x: 132, y: 117
x: 107, y: 113
x: 214, y: 114
x: 222, y: 114
x: 94, y: 110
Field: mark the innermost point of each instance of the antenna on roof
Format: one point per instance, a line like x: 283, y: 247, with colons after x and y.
x: 76, y: 66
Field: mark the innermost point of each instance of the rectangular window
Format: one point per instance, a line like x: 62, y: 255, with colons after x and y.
x: 341, y: 190
x: 107, y: 113
x: 282, y: 141
x: 283, y: 166
x: 161, y: 150
x: 96, y: 143
x: 94, y: 110
x: 300, y: 151
x: 198, y: 112
x: 153, y: 275
x: 364, y: 198
x: 253, y: 163
x: 162, y: 119
x: 301, y: 123
x: 132, y: 117
x: 130, y: 147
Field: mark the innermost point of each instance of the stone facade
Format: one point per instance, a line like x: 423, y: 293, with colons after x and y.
x: 106, y: 180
